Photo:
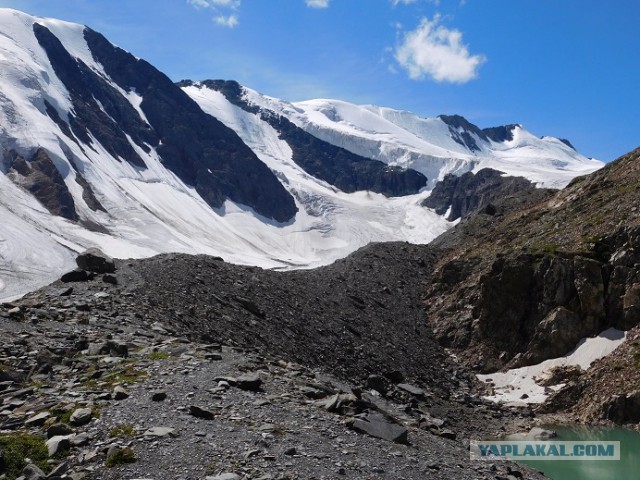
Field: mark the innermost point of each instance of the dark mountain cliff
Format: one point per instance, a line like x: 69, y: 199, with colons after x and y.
x: 198, y: 148
x: 527, y: 285
x: 470, y: 193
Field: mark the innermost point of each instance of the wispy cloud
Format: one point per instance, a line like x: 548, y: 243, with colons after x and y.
x: 407, y: 2
x: 223, y: 8
x: 215, y: 3
x: 434, y: 51
x: 227, y: 21
x: 317, y: 3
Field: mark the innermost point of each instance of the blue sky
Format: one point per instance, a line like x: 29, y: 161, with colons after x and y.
x: 567, y: 68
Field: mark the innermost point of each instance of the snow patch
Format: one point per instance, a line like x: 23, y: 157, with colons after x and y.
x: 510, y: 386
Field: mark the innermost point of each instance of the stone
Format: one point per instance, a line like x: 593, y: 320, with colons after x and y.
x: 380, y: 426
x: 59, y: 471
x: 415, y: 391
x: 446, y: 433
x: 110, y: 279
x: 66, y: 292
x: 94, y: 260
x: 58, y: 444
x: 158, y: 396
x: 37, y: 420
x: 32, y: 472
x: 225, y: 476
x: 290, y: 451
x: 81, y: 417
x: 377, y: 383
x: 201, y: 413
x: 80, y: 440
x: 119, y: 393
x: 559, y: 374
x: 77, y: 275
x: 250, y: 381
x: 160, y: 432
x: 537, y: 433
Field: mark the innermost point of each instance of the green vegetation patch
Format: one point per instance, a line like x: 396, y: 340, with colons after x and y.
x: 124, y: 431
x: 121, y: 457
x: 158, y: 356
x: 17, y: 447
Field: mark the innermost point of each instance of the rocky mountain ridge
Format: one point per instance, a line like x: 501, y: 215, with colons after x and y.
x: 525, y: 286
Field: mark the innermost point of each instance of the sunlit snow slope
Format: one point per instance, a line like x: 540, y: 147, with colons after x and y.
x: 113, y: 157
x: 150, y: 210
x: 433, y: 146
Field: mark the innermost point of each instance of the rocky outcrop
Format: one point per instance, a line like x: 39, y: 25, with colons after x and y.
x: 40, y: 176
x: 470, y: 193
x: 503, y: 133
x: 199, y: 149
x: 462, y: 131
x: 623, y: 408
x: 528, y: 285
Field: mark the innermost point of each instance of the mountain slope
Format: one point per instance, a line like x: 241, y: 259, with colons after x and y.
x: 526, y: 286
x: 433, y: 146
x: 99, y: 148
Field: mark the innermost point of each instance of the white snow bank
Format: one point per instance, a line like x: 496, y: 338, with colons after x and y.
x: 509, y: 386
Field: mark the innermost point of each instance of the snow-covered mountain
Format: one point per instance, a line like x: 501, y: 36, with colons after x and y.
x: 432, y: 146
x: 99, y: 148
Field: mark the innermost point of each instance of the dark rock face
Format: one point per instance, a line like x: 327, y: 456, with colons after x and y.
x: 40, y: 176
x: 461, y: 131
x: 198, y: 148
x: 86, y: 89
x: 337, y: 166
x: 567, y: 143
x: 531, y: 305
x: 500, y: 134
x: 470, y: 193
x: 623, y: 408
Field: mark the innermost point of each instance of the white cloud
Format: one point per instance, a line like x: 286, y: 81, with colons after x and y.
x: 432, y: 50
x: 317, y: 3
x: 228, y: 21
x: 222, y: 8
x: 408, y: 2
x: 215, y: 3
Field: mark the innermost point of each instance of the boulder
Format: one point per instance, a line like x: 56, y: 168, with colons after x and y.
x: 77, y: 275
x: 58, y: 444
x: 94, y: 260
x: 249, y: 381
x: 80, y: 417
x: 380, y: 426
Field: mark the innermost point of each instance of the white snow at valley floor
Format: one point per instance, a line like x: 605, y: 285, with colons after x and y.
x: 510, y: 386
